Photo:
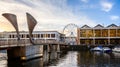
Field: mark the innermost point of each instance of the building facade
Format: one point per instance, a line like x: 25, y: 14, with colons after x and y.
x: 99, y: 35
x: 37, y: 35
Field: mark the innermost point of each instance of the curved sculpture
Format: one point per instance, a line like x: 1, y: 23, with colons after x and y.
x: 31, y: 24
x: 13, y: 20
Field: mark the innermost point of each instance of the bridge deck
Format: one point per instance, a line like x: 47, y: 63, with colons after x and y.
x: 23, y: 42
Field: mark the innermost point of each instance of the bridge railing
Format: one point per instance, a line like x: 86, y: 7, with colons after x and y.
x: 15, y: 42
x: 39, y: 41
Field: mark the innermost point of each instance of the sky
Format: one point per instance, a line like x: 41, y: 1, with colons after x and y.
x: 56, y: 14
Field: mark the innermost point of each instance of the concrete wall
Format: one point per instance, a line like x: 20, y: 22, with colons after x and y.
x: 25, y: 52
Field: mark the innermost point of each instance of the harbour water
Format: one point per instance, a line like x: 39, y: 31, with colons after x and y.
x: 68, y: 59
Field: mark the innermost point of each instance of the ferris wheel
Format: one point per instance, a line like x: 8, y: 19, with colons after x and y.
x: 70, y: 30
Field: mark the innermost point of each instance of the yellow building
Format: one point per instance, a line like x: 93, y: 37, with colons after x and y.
x: 99, y: 35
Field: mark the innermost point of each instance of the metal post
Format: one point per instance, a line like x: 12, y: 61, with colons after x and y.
x: 94, y: 36
x: 108, y: 36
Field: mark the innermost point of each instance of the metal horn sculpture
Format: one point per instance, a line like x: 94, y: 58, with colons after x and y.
x: 13, y: 20
x: 31, y: 24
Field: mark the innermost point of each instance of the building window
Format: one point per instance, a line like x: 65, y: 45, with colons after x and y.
x: 9, y: 36
x: 118, y: 32
x: 97, y: 33
x: 104, y: 33
x: 41, y: 35
x: 27, y: 36
x: 52, y: 35
x: 86, y: 33
x: 89, y: 33
x: 113, y: 33
x: 12, y: 36
x: 22, y: 36
x: 82, y: 33
x: 48, y: 35
x: 38, y: 35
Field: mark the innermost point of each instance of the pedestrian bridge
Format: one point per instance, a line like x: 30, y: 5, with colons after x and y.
x: 23, y: 49
x: 6, y: 43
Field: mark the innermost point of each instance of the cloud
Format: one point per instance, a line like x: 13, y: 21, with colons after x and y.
x: 106, y: 6
x: 85, y: 1
x: 50, y: 14
x: 114, y: 18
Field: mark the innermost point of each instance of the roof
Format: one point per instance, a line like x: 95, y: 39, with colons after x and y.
x: 112, y: 26
x: 85, y: 26
x: 34, y: 32
x: 99, y: 26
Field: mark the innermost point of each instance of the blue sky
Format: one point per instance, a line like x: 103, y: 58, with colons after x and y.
x: 95, y: 11
x: 55, y: 14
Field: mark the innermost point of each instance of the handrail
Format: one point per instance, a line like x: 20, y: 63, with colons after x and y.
x: 24, y: 42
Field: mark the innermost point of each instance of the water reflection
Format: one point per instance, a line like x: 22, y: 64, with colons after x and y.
x: 97, y: 59
x: 3, y: 63
x: 51, y: 58
x: 69, y: 59
x: 3, y: 58
x: 116, y: 55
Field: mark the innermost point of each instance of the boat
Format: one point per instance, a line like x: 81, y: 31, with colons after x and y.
x: 101, y: 49
x: 106, y: 49
x: 116, y: 49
